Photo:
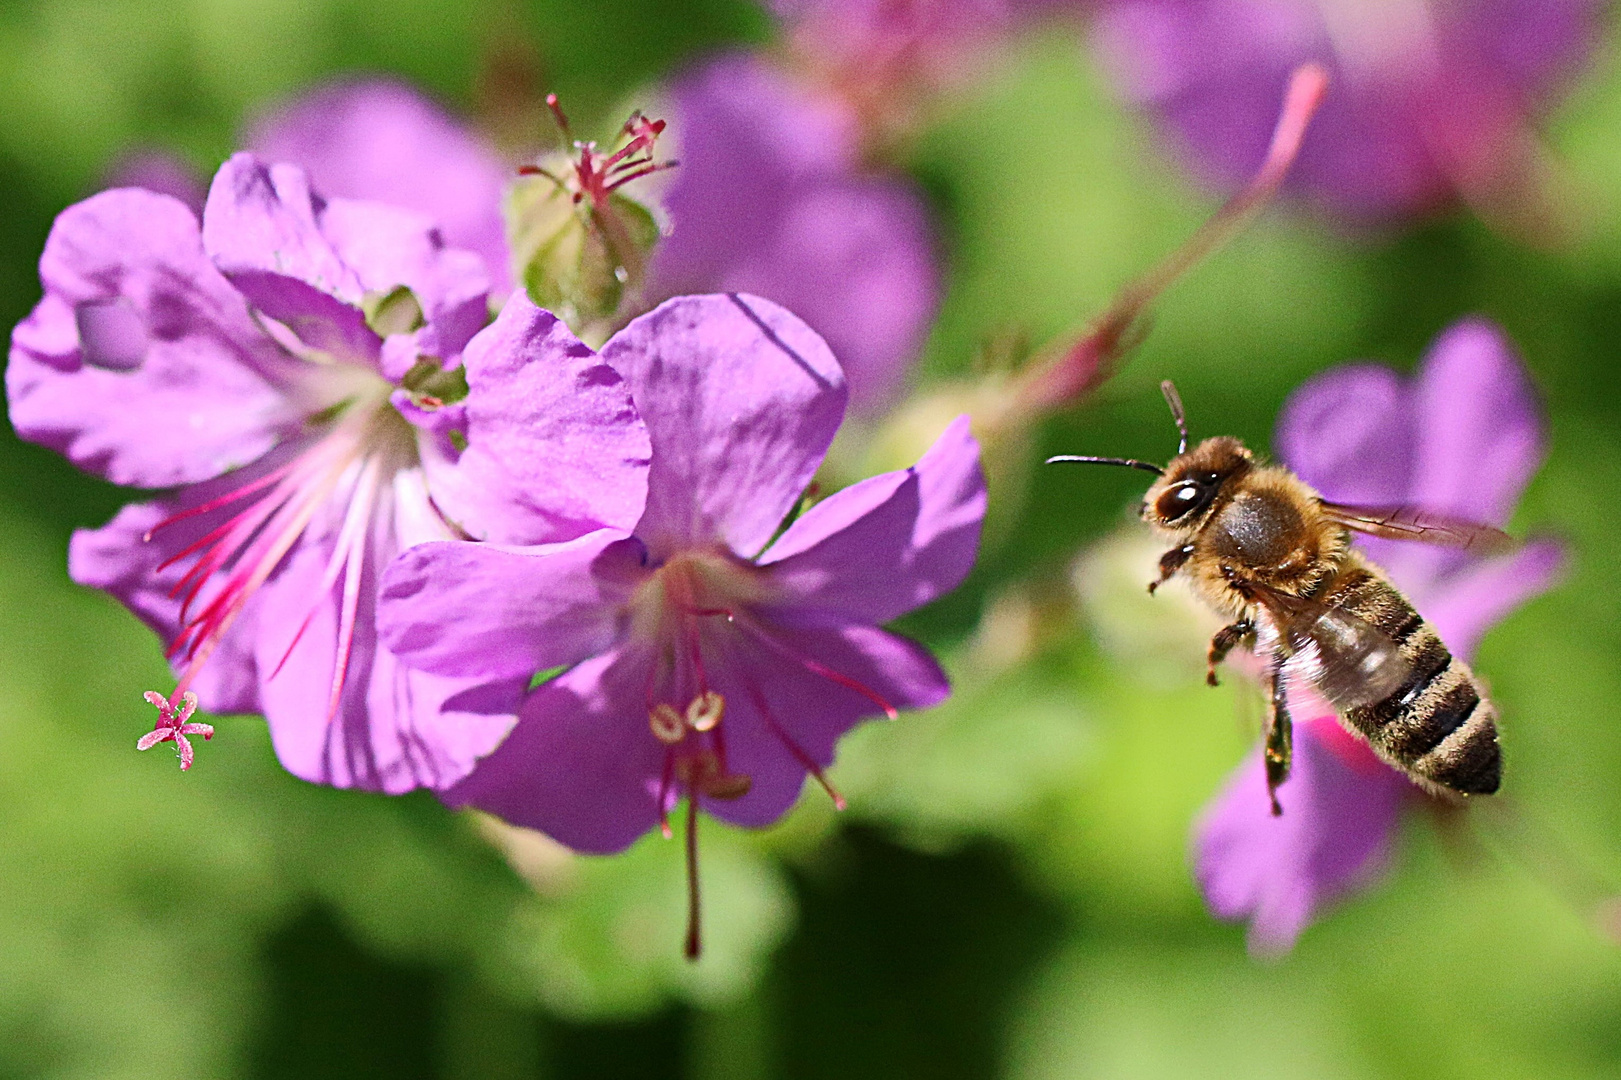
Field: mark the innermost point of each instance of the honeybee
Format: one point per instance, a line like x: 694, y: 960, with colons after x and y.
x: 1265, y: 550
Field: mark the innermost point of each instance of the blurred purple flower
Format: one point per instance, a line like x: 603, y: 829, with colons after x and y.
x: 1462, y: 437
x: 710, y: 660
x: 295, y: 368
x: 159, y: 171
x: 770, y: 198
x: 384, y: 141
x: 873, y: 39
x: 1429, y: 100
x: 373, y: 139
x: 891, y: 60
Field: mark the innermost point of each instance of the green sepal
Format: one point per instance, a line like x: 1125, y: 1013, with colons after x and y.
x: 428, y: 377
x: 577, y: 260
x: 397, y: 311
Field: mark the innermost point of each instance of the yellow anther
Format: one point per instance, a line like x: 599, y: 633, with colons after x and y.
x: 667, y: 724
x: 705, y: 710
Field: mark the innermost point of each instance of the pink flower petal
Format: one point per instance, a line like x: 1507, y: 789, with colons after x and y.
x: 200, y: 391
x: 555, y: 447
x: 500, y: 612
x: 382, y: 140
x: 741, y: 400
x: 886, y: 545
x: 261, y: 228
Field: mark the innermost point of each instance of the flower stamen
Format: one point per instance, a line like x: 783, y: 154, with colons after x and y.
x: 668, y: 726
x: 250, y: 546
x: 664, y: 794
x: 595, y: 175
x: 705, y: 710
x: 817, y: 668
x: 793, y: 747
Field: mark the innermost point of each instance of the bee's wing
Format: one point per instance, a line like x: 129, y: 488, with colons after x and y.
x: 1350, y: 661
x: 1411, y: 523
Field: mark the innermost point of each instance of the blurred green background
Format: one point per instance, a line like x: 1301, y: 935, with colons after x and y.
x: 1008, y: 894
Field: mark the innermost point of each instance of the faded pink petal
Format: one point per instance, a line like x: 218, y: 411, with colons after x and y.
x: 152, y: 738
x: 1333, y: 838
x: 187, y: 754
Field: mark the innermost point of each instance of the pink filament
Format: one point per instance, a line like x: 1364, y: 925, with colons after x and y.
x: 251, y: 545
x: 817, y: 668
x: 664, y: 793
x: 224, y: 500
x: 1092, y: 359
x: 804, y: 759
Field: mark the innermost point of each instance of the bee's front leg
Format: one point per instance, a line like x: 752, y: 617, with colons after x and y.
x: 1170, y: 563
x: 1279, y: 736
x: 1241, y: 632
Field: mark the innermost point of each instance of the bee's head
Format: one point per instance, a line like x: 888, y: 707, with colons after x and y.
x: 1181, y: 500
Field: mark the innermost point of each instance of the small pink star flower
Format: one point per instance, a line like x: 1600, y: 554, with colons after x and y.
x: 174, y: 723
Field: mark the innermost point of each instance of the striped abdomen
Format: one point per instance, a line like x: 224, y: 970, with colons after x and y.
x: 1437, y: 726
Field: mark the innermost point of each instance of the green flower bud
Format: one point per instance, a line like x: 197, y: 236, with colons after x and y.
x: 579, y: 246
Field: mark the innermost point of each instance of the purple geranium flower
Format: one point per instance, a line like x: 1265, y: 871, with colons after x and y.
x: 710, y: 660
x: 294, y: 367
x: 1462, y: 437
x: 770, y: 198
x: 1430, y: 100
x: 382, y: 140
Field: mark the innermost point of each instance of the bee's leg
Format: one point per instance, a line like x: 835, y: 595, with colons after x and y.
x: 1279, y: 737
x: 1226, y: 638
x: 1170, y: 563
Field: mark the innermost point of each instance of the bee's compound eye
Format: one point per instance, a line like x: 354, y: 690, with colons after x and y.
x: 1185, y: 497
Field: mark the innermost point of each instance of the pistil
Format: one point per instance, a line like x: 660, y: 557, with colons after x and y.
x: 596, y: 175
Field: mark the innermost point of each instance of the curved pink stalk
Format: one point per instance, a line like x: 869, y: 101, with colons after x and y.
x: 1080, y: 368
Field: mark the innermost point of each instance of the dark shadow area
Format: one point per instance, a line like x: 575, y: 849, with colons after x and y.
x: 650, y: 1049
x: 337, y: 1011
x: 904, y: 967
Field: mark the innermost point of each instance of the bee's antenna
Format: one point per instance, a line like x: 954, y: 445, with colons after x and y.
x: 1174, y: 400
x: 1132, y: 463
